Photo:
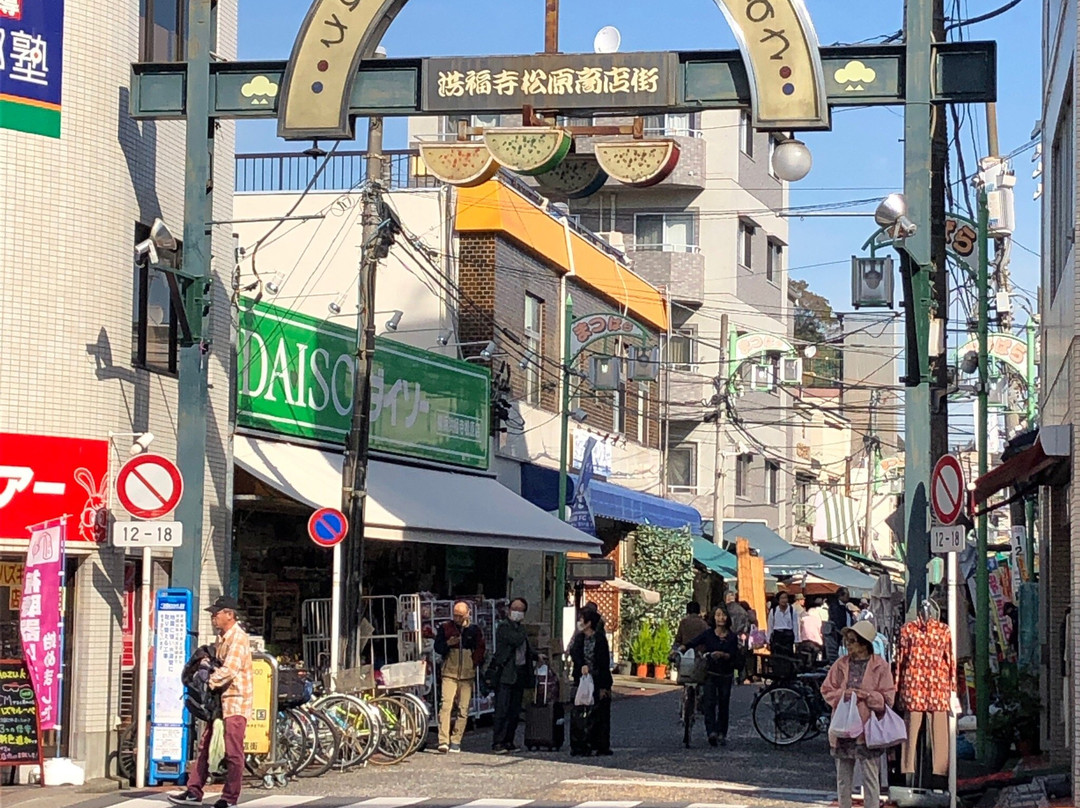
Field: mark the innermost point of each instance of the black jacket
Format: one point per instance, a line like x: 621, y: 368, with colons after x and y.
x: 601, y: 668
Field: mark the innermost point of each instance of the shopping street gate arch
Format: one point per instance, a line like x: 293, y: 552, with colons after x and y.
x: 350, y: 86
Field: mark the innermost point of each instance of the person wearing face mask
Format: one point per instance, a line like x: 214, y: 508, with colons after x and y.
x: 511, y: 673
x: 461, y: 646
x: 591, y: 655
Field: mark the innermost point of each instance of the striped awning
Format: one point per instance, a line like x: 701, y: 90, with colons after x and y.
x: 836, y: 521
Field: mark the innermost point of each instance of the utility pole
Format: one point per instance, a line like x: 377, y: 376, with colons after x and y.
x: 916, y: 268
x: 355, y: 467
x: 939, y: 153
x: 551, y: 26
x: 871, y: 442
x: 723, y: 386
x: 191, y: 407
x: 982, y: 573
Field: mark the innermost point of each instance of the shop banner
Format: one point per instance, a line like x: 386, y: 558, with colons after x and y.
x: 39, y: 617
x: 295, y: 377
x: 42, y: 477
x: 580, y: 511
x: 31, y: 65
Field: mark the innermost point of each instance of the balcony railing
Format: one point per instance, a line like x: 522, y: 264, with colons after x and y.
x: 805, y: 515
x: 290, y: 172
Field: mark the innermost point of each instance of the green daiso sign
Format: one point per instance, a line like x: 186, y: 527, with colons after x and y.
x: 295, y: 377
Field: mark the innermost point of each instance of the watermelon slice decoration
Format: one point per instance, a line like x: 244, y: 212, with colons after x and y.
x: 529, y: 150
x: 461, y: 163
x: 577, y: 176
x: 638, y: 163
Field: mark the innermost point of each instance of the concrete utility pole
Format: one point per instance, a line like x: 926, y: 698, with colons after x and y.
x: 191, y: 408
x: 722, y: 388
x: 551, y: 26
x: 355, y: 466
x: 939, y: 153
x: 982, y: 573
x: 916, y: 268
x: 871, y: 442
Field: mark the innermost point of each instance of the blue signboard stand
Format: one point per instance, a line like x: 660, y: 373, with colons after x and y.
x: 168, y: 715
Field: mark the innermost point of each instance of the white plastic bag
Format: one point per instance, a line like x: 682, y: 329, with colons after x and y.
x: 889, y: 730
x: 686, y: 664
x: 846, y: 722
x: 584, y: 695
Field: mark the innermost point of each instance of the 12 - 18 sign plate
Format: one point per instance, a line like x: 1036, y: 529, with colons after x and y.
x: 147, y: 534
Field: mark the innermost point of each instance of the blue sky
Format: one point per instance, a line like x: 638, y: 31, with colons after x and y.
x: 861, y: 157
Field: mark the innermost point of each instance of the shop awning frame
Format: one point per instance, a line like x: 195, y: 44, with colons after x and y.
x: 715, y: 558
x: 414, y: 503
x: 1050, y: 451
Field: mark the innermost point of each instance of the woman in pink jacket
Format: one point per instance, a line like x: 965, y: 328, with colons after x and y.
x: 867, y: 678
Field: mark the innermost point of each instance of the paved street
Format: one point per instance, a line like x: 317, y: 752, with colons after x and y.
x: 649, y: 767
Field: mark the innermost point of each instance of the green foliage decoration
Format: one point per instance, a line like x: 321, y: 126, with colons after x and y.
x: 663, y: 562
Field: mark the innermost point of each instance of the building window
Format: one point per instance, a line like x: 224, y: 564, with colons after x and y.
x: 742, y: 475
x: 772, y: 482
x: 746, y: 245
x: 774, y: 263
x: 1062, y: 190
x: 534, y: 344
x: 682, y: 348
x: 569, y: 120
x: 618, y: 408
x: 746, y: 133
x: 161, y: 24
x: 154, y: 322
x: 682, y: 467
x: 642, y: 407
x: 669, y: 232
x: 673, y: 124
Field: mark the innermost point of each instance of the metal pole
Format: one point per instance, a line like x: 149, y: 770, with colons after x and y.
x: 564, y: 462
x: 982, y: 574
x: 719, y: 480
x: 143, y: 695
x: 191, y: 404
x: 954, y: 625
x: 355, y: 466
x: 1032, y: 415
x: 917, y: 271
x: 335, y: 616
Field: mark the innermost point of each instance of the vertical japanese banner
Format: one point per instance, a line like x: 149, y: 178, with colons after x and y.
x: 39, y: 617
x: 31, y: 65
x: 580, y: 512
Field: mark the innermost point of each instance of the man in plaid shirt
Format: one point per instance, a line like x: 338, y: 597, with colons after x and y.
x: 233, y: 680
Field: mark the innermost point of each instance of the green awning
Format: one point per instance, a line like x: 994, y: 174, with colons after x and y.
x: 715, y: 558
x: 846, y: 555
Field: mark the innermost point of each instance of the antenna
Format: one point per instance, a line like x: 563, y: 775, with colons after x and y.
x: 607, y: 40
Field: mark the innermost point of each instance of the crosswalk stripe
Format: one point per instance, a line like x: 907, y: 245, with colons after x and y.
x: 715, y: 805
x: 278, y: 801
x: 387, y: 802
x: 494, y: 803
x: 608, y: 804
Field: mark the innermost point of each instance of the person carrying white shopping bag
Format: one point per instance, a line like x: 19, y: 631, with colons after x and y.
x: 859, y: 688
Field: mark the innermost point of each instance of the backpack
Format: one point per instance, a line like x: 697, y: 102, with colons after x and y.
x: 203, y: 703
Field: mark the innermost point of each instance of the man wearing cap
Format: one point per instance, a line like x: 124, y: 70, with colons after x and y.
x: 233, y: 680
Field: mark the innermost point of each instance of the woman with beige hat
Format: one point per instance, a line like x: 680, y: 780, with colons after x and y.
x: 866, y: 677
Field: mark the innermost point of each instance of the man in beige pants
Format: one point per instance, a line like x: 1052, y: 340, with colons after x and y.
x: 461, y: 646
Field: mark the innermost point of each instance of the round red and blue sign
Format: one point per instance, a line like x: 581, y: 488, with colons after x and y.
x: 327, y: 527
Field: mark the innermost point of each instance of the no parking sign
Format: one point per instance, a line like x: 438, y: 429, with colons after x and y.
x: 327, y: 527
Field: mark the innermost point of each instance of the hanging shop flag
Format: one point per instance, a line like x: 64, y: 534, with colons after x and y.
x: 580, y: 513
x: 39, y: 616
x: 31, y: 65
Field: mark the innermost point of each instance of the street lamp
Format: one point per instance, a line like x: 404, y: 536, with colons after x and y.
x: 892, y: 215
x: 791, y: 160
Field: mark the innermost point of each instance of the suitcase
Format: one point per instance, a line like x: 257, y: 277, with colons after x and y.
x: 545, y: 726
x: 579, y: 730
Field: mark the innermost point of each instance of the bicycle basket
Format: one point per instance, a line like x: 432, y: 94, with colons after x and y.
x: 294, y: 687
x: 403, y: 674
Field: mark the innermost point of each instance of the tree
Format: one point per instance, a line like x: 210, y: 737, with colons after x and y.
x: 815, y: 324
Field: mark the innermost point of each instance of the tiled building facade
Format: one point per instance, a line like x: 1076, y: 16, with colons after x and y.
x: 71, y: 319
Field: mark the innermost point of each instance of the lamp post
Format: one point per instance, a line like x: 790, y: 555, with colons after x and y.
x: 564, y: 448
x: 982, y: 573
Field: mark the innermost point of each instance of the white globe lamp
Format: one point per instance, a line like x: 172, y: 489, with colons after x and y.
x: 791, y: 160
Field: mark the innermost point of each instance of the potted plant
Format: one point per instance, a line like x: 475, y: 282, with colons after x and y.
x: 1016, y: 720
x: 641, y: 649
x: 661, y: 648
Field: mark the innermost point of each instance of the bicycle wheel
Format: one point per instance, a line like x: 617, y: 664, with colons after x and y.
x: 398, y: 729
x: 293, y: 750
x: 325, y: 745
x: 689, y: 714
x: 421, y: 717
x: 820, y: 712
x: 781, y: 715
x: 358, y: 723
x: 125, y: 753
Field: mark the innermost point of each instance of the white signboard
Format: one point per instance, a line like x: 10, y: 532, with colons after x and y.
x: 170, y: 654
x: 947, y: 538
x: 147, y: 534
x: 601, y: 454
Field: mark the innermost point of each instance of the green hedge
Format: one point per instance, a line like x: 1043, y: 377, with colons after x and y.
x: 663, y: 562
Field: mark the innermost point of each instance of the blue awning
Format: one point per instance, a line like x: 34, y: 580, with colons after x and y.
x: 540, y: 485
x: 782, y: 558
x: 715, y: 558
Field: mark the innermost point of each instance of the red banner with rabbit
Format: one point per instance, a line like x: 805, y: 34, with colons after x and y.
x: 44, y: 477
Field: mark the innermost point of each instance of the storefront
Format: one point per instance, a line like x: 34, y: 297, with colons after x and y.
x: 437, y: 525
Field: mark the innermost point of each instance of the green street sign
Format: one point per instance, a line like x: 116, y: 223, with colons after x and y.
x: 295, y: 378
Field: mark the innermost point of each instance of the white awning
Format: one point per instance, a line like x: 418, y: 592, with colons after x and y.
x: 647, y: 595
x: 409, y: 503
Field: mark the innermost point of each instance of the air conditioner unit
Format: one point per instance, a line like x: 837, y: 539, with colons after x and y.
x: 614, y: 238
x: 791, y: 370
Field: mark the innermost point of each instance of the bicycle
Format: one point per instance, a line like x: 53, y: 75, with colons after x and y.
x: 690, y: 704
x: 790, y: 708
